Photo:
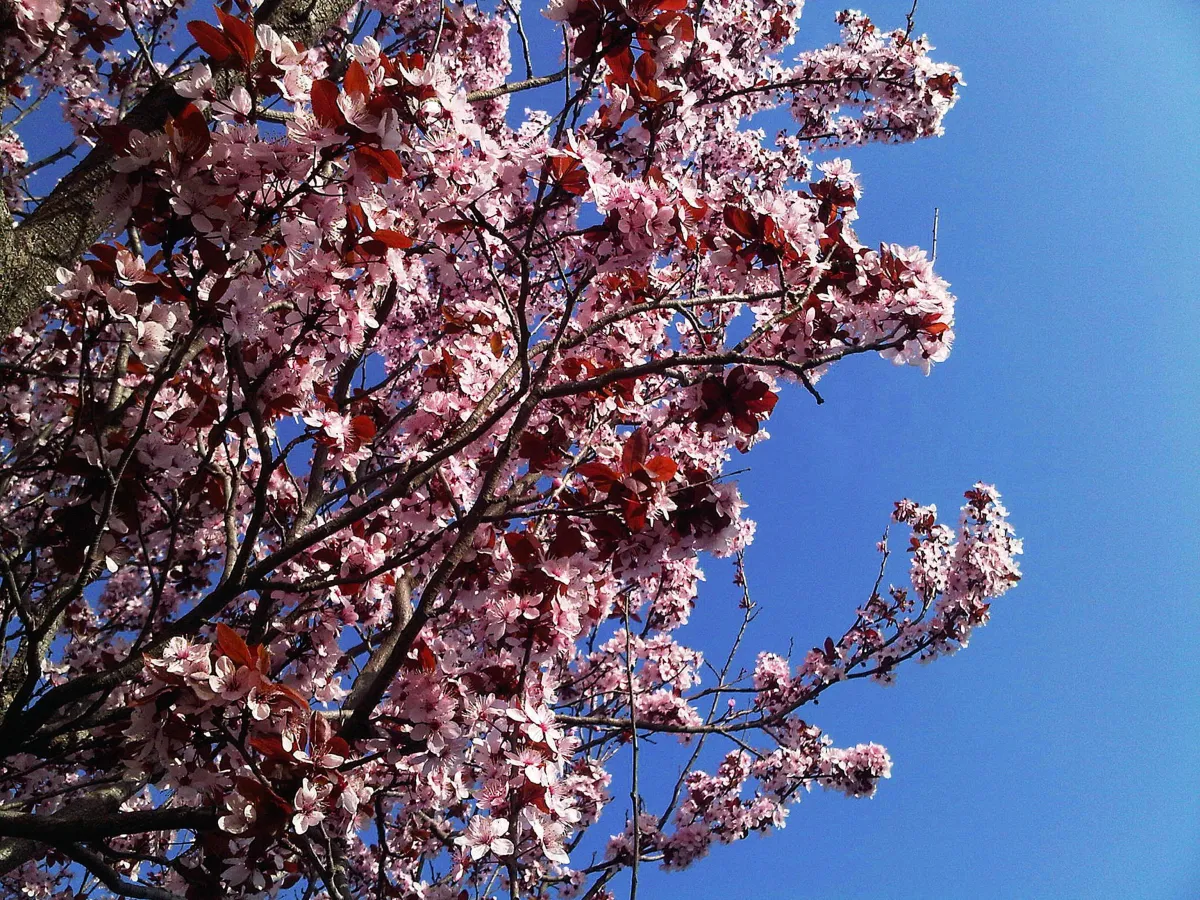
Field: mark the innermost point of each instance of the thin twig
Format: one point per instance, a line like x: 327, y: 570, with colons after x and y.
x: 521, y: 34
x: 95, y: 864
x: 633, y: 787
x: 47, y: 160
x: 933, y: 249
x: 143, y: 50
x: 909, y: 20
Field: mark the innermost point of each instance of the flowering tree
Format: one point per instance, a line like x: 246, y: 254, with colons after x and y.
x: 360, y: 437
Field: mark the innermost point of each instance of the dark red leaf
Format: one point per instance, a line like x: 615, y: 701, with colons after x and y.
x: 569, y: 174
x: 270, y: 746
x: 393, y: 239
x: 426, y: 661
x: 741, y: 222
x: 634, y: 451
x: 290, y: 693
x: 324, y: 104
x: 746, y: 423
x: 646, y: 69
x: 321, y: 731
x: 239, y: 36
x: 356, y: 219
x: 762, y: 405
x: 661, y: 468
x: 356, y: 80
x: 568, y: 540
x: 105, y: 262
x: 211, y: 40
x: 380, y: 165
x: 604, y: 476
x: 232, y: 645
x: 943, y: 84
x: 214, y: 258
x: 221, y: 285
x: 363, y: 429
x: 116, y: 136
x: 189, y: 133
x: 620, y: 64
x: 635, y: 513
x: 339, y: 746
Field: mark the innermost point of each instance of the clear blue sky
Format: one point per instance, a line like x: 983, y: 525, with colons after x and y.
x: 1057, y: 756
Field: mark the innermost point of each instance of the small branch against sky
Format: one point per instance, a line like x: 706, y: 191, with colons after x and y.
x: 934, y: 237
x: 635, y: 799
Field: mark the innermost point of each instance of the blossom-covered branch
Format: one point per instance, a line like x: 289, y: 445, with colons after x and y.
x: 361, y: 438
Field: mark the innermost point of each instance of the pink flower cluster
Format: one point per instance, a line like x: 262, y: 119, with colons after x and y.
x: 360, y: 479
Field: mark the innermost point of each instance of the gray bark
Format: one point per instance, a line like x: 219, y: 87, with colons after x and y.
x: 73, y: 217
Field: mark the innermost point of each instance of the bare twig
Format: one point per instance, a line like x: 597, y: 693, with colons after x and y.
x: 933, y: 249
x: 109, y: 877
x: 634, y: 797
x: 910, y: 20
x: 143, y: 50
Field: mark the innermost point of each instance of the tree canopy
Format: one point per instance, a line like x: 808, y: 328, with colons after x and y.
x: 362, y: 436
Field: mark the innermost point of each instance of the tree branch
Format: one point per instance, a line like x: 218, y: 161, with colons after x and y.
x: 109, y: 877
x: 72, y: 217
x: 90, y: 825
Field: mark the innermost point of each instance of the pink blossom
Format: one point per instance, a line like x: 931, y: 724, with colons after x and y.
x: 307, y: 803
x: 371, y: 456
x: 485, y: 835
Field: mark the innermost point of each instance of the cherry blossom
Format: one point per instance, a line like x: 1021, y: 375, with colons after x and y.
x: 485, y: 835
x: 365, y: 435
x: 308, y: 808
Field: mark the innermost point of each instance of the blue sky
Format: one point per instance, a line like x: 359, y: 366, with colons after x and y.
x: 1056, y: 756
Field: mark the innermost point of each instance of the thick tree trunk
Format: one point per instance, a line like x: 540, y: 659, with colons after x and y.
x: 75, y: 215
